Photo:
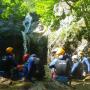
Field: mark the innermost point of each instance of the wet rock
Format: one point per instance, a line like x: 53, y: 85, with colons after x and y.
x: 5, y: 81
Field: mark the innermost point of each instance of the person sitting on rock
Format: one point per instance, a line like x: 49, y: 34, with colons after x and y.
x: 62, y: 66
x: 29, y: 67
x: 81, y: 65
x: 77, y: 67
x: 85, y: 61
x: 10, y: 62
x: 21, y: 68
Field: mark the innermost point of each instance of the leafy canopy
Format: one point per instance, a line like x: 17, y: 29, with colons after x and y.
x: 81, y: 9
x: 44, y: 8
x: 18, y: 8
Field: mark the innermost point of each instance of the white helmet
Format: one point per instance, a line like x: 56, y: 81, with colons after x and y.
x: 74, y: 57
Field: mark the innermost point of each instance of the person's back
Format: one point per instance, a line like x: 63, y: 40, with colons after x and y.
x: 10, y: 62
x: 30, y: 67
x: 60, y: 67
x: 78, y: 68
x: 63, y: 66
x: 31, y: 62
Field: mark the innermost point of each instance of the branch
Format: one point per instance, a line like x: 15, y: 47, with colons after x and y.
x: 69, y: 4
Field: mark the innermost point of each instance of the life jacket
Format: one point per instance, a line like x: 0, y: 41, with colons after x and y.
x: 62, y: 67
x: 39, y: 69
x: 32, y: 63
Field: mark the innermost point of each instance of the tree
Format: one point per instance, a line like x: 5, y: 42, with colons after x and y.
x: 44, y: 8
x: 82, y: 9
x: 17, y: 8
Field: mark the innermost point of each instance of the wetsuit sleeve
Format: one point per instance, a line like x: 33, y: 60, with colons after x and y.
x: 11, y: 60
x: 30, y: 63
x: 85, y: 61
x: 52, y: 64
x: 75, y: 65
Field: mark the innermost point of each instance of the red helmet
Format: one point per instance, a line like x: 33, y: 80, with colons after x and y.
x: 25, y: 57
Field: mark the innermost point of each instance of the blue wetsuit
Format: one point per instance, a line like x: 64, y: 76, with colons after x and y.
x: 29, y: 67
x: 62, y: 78
x: 84, y: 62
x: 9, y: 64
x: 64, y: 57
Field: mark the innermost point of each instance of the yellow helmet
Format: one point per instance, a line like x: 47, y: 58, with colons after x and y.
x: 60, y: 51
x: 88, y: 49
x: 81, y: 53
x: 9, y: 49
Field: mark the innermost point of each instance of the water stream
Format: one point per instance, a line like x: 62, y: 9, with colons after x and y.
x: 27, y: 25
x: 24, y: 41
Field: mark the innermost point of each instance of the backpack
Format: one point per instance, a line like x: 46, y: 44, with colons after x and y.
x: 39, y: 69
x: 37, y: 63
x: 62, y: 67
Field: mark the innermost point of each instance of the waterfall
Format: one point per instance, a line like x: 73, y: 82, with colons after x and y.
x: 24, y: 41
x: 27, y: 25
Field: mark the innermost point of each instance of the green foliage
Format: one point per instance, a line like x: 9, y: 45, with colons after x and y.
x: 81, y: 9
x: 31, y: 5
x: 56, y: 24
x: 18, y: 8
x: 72, y: 32
x: 45, y: 9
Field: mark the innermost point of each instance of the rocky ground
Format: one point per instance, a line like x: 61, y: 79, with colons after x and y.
x: 6, y: 84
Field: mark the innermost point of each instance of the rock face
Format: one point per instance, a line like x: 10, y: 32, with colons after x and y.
x: 71, y: 30
x: 11, y: 38
x: 38, y: 45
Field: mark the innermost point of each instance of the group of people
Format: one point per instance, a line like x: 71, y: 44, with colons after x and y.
x: 10, y: 68
x: 65, y: 67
